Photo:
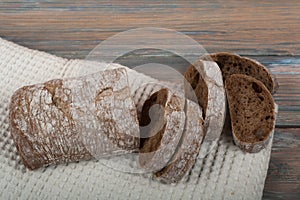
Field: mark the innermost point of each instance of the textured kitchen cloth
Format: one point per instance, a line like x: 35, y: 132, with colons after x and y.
x: 226, y: 173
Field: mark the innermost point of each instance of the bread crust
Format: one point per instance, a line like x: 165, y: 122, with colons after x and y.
x: 153, y: 159
x: 74, y: 119
x: 188, y: 149
x: 230, y: 63
x: 206, y: 79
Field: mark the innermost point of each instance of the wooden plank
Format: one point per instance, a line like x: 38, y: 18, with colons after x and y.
x: 72, y: 28
x: 283, y: 179
x: 288, y: 94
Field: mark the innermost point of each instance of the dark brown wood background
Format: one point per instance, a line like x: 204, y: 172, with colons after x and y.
x: 268, y: 31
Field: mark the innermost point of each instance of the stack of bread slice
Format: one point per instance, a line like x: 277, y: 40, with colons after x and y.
x: 248, y: 86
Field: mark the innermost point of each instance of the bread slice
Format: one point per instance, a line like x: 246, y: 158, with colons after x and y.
x: 188, y: 149
x: 161, y: 131
x: 252, y: 112
x: 230, y: 63
x: 68, y: 120
x: 205, y: 79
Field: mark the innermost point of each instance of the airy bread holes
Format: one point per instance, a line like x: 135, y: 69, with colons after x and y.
x: 261, y: 97
x: 256, y: 87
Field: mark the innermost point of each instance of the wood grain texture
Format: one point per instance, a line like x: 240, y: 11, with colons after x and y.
x: 264, y: 30
x: 72, y: 28
x: 283, y: 179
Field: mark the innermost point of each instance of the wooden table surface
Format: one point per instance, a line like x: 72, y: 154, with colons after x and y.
x: 268, y: 31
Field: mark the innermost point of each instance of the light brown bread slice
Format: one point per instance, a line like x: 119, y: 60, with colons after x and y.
x: 159, y: 139
x: 188, y: 149
x: 205, y: 79
x: 230, y: 63
x: 67, y: 120
x: 252, y: 112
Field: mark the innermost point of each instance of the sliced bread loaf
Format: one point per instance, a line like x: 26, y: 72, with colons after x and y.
x: 161, y: 131
x: 230, y: 63
x: 188, y: 148
x: 252, y: 112
x: 205, y: 79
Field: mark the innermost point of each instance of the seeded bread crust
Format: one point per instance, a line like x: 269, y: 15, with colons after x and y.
x: 230, y: 63
x: 252, y: 112
x: 157, y: 148
x: 188, y: 149
x: 53, y: 122
x: 206, y: 81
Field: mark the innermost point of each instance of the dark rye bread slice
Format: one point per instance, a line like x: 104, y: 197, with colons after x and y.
x: 230, y: 63
x: 204, y: 79
x: 160, y: 131
x: 252, y: 112
x: 188, y: 148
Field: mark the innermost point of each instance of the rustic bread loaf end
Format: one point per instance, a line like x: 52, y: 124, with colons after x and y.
x: 74, y: 119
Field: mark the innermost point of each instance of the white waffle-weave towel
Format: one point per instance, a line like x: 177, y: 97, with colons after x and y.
x: 226, y: 173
